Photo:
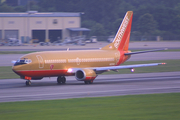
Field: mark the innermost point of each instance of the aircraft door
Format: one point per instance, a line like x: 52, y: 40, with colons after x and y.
x: 117, y: 57
x: 41, y: 61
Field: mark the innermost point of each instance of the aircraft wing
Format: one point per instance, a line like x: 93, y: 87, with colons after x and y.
x: 126, y: 66
x: 98, y: 69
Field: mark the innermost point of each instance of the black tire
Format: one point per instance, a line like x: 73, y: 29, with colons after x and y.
x: 90, y: 82
x: 61, y: 80
x: 86, y: 82
x: 28, y: 82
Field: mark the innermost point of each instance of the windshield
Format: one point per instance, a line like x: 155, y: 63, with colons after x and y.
x: 21, y: 62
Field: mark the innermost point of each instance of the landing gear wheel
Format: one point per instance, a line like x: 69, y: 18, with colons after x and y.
x: 91, y: 82
x: 28, y: 82
x: 61, y: 80
x: 88, y: 82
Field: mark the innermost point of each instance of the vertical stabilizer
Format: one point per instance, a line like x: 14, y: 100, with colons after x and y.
x: 121, y: 40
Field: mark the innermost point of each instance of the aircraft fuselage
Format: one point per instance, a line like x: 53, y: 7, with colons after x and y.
x: 57, y: 63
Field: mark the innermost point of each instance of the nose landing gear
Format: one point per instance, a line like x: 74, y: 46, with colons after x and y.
x: 28, y: 82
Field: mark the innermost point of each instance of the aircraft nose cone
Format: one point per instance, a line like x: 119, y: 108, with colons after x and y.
x: 17, y: 70
x: 14, y: 68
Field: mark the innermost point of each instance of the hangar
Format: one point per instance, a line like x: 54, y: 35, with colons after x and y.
x: 40, y: 26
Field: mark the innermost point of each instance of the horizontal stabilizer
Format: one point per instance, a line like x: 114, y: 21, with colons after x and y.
x: 138, y: 52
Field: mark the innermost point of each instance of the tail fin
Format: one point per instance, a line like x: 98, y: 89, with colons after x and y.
x: 121, y: 40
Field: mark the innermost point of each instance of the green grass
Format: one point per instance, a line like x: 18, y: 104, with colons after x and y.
x: 16, y: 52
x: 131, y: 107
x: 171, y: 50
x: 172, y: 65
x: 7, y: 73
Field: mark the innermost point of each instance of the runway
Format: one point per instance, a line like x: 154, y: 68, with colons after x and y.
x: 104, y: 85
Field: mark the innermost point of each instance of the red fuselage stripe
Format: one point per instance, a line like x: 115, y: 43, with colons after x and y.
x: 42, y: 73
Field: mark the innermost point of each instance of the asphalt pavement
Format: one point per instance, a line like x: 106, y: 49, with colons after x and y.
x: 105, y: 85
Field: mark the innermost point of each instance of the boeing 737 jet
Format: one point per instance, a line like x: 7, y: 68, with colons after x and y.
x: 85, y: 65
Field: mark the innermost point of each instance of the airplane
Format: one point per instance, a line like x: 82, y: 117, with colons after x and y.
x: 85, y: 65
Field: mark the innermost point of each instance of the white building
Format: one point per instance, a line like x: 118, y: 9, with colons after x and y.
x: 41, y: 26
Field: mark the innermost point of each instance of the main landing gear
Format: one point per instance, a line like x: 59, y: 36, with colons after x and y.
x: 88, y: 82
x: 61, y: 80
x: 28, y: 82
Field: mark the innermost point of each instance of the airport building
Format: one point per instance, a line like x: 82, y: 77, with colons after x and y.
x: 33, y: 25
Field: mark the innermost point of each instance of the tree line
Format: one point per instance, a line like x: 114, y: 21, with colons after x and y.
x: 103, y: 17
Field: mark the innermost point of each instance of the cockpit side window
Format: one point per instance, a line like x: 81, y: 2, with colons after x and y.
x: 28, y: 61
x: 21, y: 62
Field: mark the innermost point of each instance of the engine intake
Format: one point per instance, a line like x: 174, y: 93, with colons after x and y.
x: 85, y: 74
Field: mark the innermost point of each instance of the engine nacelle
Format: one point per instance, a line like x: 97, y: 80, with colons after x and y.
x: 85, y: 74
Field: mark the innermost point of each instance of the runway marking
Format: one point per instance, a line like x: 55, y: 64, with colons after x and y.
x: 90, y: 92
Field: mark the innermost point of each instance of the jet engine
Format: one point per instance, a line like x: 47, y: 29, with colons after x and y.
x: 85, y: 74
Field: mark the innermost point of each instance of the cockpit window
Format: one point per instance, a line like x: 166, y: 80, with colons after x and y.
x: 28, y: 61
x: 21, y: 62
